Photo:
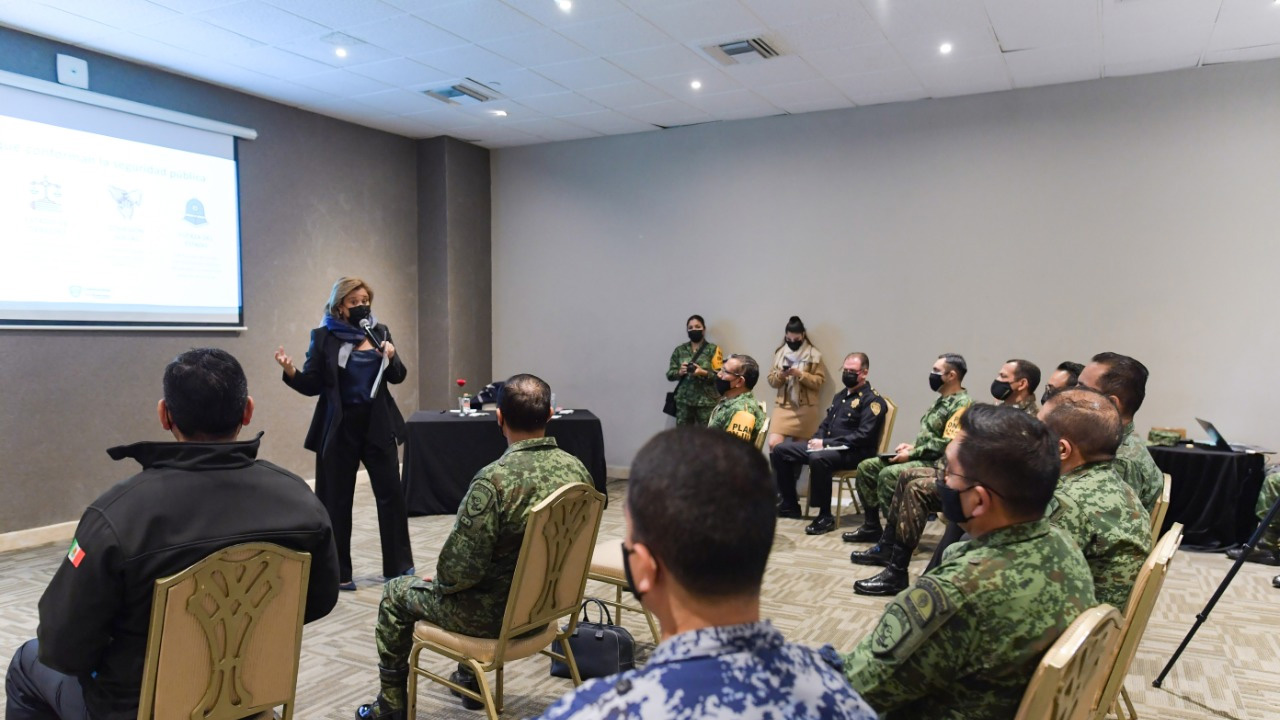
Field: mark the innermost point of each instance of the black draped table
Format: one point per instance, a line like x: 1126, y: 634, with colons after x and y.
x: 1214, y: 492
x: 443, y: 452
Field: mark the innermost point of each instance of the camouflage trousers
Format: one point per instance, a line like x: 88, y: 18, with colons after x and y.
x: 406, y: 600
x: 914, y: 499
x: 877, y: 480
x: 1266, y: 498
x: 695, y: 415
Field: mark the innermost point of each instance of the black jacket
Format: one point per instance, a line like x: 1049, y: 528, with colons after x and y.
x: 854, y: 419
x: 190, y: 500
x: 319, y: 376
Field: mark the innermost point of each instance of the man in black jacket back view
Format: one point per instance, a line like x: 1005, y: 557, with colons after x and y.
x: 203, y: 492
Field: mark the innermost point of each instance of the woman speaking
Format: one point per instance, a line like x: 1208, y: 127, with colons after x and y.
x: 349, y: 364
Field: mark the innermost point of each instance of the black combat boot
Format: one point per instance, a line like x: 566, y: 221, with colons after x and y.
x: 877, y: 554
x: 467, y: 679
x: 892, y: 580
x: 870, y: 531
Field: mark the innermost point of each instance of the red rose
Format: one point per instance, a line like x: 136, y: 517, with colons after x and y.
x: 461, y: 381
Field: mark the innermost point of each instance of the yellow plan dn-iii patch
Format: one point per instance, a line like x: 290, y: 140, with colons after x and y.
x: 953, y: 425
x: 743, y: 424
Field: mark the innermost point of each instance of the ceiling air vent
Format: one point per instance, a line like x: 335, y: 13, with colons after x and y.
x: 742, y: 52
x: 463, y: 93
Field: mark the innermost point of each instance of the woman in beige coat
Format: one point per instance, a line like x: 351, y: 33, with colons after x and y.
x: 798, y: 374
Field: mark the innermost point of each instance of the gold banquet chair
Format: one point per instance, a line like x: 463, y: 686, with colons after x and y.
x: 764, y: 427
x: 549, y: 579
x: 225, y: 636
x: 1161, y: 509
x: 1142, y: 601
x: 1072, y: 672
x: 606, y: 567
x: 844, y: 478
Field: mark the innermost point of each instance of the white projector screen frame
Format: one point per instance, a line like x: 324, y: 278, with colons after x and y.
x: 125, y: 135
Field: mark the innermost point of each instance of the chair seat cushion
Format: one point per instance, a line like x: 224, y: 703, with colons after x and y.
x: 606, y: 560
x: 483, y: 649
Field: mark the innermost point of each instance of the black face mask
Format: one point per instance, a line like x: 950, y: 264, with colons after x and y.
x: 794, y: 344
x: 1000, y: 389
x: 722, y: 385
x: 952, y: 510
x: 626, y: 572
x: 935, y: 381
x: 1048, y: 393
x: 358, y: 313
x: 695, y: 335
x: 850, y: 379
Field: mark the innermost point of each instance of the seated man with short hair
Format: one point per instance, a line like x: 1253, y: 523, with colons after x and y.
x: 702, y: 580
x: 1096, y: 508
x: 738, y: 412
x: 478, y: 561
x: 197, y: 494
x: 965, y: 639
x: 1015, y: 385
x: 1124, y: 380
x: 1066, y: 375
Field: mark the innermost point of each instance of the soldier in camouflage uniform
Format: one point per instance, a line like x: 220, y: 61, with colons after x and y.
x: 1267, y: 550
x: 1015, y: 385
x: 877, y: 479
x: 1124, y: 380
x: 965, y: 639
x: 1092, y: 504
x: 738, y: 412
x: 718, y: 657
x: 475, y: 568
x: 693, y: 367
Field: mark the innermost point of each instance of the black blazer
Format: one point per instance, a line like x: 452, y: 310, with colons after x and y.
x: 319, y: 376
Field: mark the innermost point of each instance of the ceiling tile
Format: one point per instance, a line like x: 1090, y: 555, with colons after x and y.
x: 466, y: 61
x: 552, y: 129
x: 341, y: 82
x: 343, y: 108
x: 854, y: 60
x: 811, y: 91
x: 1246, y: 25
x: 1026, y: 24
x: 617, y: 34
x: 481, y: 20
x: 400, y: 102
x: 1134, y: 17
x: 854, y: 27
x: 127, y: 45
x: 549, y: 13
x: 191, y: 6
x: 418, y: 7
x: 925, y: 49
x: 778, y: 13
x: 1163, y: 64
x: 324, y: 51
x: 401, y: 125
x: 1134, y: 49
x: 402, y: 72
x: 199, y: 37
x: 520, y: 83
x: 448, y: 119
x: 338, y: 13
x: 669, y: 113
x: 262, y: 22
x: 52, y: 22
x: 277, y: 62
x: 660, y: 61
x: 869, y: 88
x: 1260, y: 52
x: 588, y: 73
x: 678, y: 86
x: 560, y: 104
x: 734, y: 104
x: 929, y: 17
x: 965, y: 77
x: 405, y: 35
x: 541, y: 48
x: 785, y: 69
x: 701, y: 20
x: 1049, y: 66
x: 124, y: 14
x: 626, y: 95
x: 611, y: 123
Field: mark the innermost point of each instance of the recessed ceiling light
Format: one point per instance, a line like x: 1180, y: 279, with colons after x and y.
x: 498, y: 113
x: 340, y: 52
x: 945, y: 48
x: 567, y: 5
x: 696, y: 84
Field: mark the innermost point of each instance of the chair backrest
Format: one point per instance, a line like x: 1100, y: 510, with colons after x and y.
x: 226, y: 634
x: 764, y: 431
x: 555, y: 555
x: 1161, y: 509
x: 1070, y: 674
x: 886, y: 431
x: 1146, y: 589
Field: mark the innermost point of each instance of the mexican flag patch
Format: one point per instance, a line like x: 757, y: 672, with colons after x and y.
x: 75, y: 554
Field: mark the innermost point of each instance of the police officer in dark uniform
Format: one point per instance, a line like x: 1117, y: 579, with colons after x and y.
x: 852, y: 424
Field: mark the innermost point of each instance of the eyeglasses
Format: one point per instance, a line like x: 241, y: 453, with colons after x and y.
x: 727, y: 372
x: 944, y: 472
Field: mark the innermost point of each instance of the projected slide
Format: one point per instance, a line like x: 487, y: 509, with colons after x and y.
x: 102, y: 230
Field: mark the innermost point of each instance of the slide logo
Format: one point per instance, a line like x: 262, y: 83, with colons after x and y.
x: 126, y: 201
x: 195, y: 212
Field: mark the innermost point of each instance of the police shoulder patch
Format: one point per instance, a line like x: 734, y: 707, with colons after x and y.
x: 875, y: 408
x: 856, y: 402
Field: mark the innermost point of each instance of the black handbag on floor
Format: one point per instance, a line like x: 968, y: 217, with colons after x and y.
x: 599, y: 648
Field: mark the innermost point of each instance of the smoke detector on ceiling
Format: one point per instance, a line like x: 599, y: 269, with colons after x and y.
x: 742, y: 52
x: 467, y: 92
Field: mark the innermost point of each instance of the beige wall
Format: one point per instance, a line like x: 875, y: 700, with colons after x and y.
x: 1129, y: 214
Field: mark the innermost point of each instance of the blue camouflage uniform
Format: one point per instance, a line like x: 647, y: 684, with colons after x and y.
x: 744, y: 671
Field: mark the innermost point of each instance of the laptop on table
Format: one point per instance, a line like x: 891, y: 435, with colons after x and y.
x: 1220, y: 443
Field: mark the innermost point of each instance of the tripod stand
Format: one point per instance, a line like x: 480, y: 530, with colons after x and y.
x: 1204, y: 614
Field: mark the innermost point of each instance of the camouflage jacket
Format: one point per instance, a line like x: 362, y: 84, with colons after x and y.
x: 938, y: 425
x: 479, y: 556
x: 1138, y: 469
x: 696, y: 391
x: 1106, y: 519
x: 965, y: 639
x: 1029, y: 406
x: 743, y: 671
x: 740, y: 415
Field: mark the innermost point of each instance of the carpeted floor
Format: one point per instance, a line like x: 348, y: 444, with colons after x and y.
x: 1229, y: 670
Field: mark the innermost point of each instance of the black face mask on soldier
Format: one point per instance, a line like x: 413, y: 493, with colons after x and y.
x: 722, y: 385
x: 794, y: 344
x: 626, y: 572
x: 1000, y: 389
x: 952, y: 510
x: 695, y: 335
x: 935, y: 381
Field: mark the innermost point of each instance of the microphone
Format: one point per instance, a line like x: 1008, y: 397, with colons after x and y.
x: 367, y: 325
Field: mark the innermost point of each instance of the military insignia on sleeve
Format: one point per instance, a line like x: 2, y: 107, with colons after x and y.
x: 875, y: 408
x: 894, y: 627
x: 479, y: 499
x: 742, y: 424
x: 927, y: 602
x: 953, y: 425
